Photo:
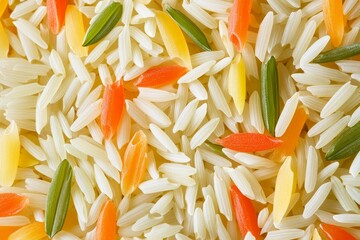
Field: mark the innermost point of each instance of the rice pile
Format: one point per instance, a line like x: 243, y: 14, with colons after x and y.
x: 54, y: 96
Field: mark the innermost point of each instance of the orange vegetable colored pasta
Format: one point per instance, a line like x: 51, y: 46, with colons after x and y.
x: 249, y: 142
x: 334, y: 20
x: 291, y: 135
x: 56, y: 14
x: 12, y: 203
x: 112, y: 107
x: 3, y: 5
x: 245, y: 213
x: 135, y: 162
x: 6, y: 231
x: 106, y: 224
x: 333, y: 232
x: 161, y: 75
x: 239, y: 22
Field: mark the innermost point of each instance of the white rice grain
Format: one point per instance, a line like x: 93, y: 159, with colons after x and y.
x: 102, y: 181
x: 241, y: 182
x: 311, y: 170
x: 316, y: 200
x: 156, y: 95
x: 198, y: 90
x: 209, y: 217
x: 199, y: 224
x: 163, y: 138
x: 256, y: 115
x: 203, y: 133
x: 89, y: 115
x: 185, y: 116
x: 341, y: 195
x: 338, y: 99
x: 14, y: 221
x: 30, y: 31
x: 157, y: 185
x: 314, y: 50
x: 199, y: 14
x: 332, y: 132
x: 79, y: 68
x: 284, y: 234
x: 286, y: 115
x: 163, y: 230
x: 263, y: 36
x: 197, y: 72
x: 353, y: 219
x: 84, y: 184
x: 153, y: 112
x: 146, y: 222
x: 304, y: 41
x: 218, y: 96
x: 134, y: 214
x: 222, y: 196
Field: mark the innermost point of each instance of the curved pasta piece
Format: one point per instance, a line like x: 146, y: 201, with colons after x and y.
x: 173, y: 38
x: 135, y: 162
x: 237, y: 83
x: 75, y: 32
x: 9, y: 154
x: 334, y: 20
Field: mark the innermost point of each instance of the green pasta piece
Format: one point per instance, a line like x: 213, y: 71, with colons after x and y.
x: 215, y: 148
x: 270, y: 95
x: 58, y: 199
x: 346, y: 145
x: 103, y: 24
x: 338, y: 53
x: 189, y: 28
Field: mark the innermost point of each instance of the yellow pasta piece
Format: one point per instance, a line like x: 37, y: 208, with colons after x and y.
x: 9, y: 154
x: 135, y: 162
x: 237, y: 83
x: 4, y: 42
x: 284, y: 189
x: 3, y: 5
x: 26, y: 159
x: 32, y: 231
x: 173, y: 38
x: 316, y: 235
x: 75, y: 32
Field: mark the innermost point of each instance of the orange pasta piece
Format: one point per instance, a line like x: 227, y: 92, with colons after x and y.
x: 334, y: 20
x: 291, y: 135
x: 135, y: 162
x: 106, y: 224
x: 3, y: 6
x: 32, y: 231
x: 112, y: 107
x: 333, y: 232
x: 249, y: 142
x: 245, y: 213
x: 161, y: 75
x: 6, y: 231
x: 56, y: 14
x: 239, y: 22
x: 12, y: 203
